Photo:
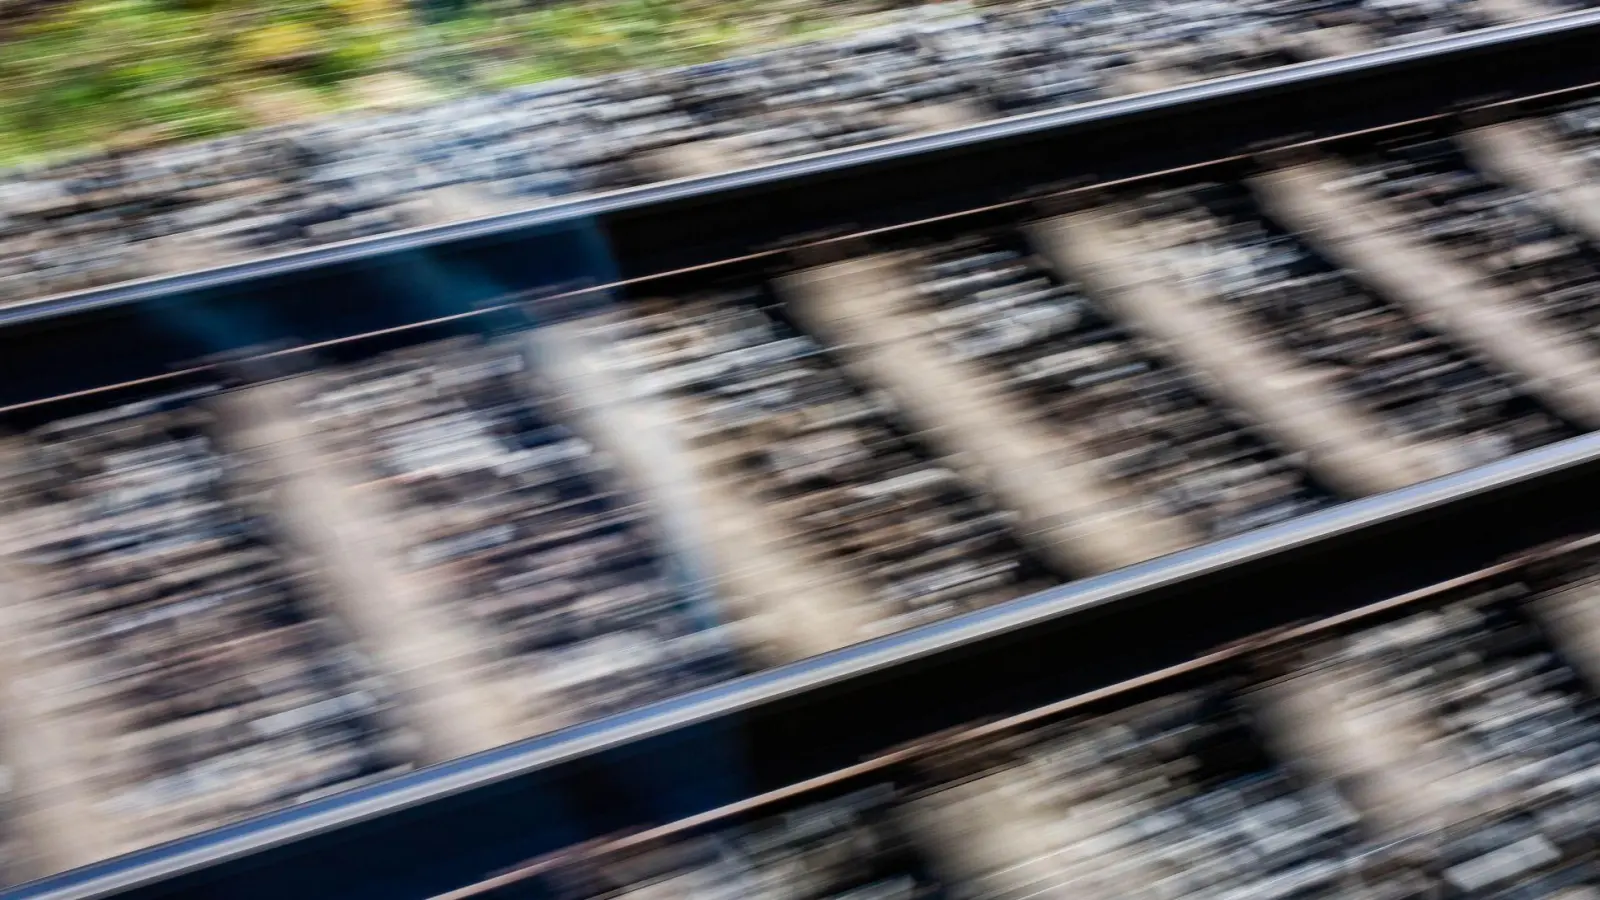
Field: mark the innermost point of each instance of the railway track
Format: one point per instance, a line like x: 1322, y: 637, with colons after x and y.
x: 1257, y: 768
x: 103, y: 220
x: 714, y: 532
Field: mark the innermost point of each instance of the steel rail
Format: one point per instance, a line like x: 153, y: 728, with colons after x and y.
x: 803, y: 172
x: 1444, y: 498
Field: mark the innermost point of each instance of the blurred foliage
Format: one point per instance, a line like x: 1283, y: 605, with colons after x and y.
x: 92, y: 73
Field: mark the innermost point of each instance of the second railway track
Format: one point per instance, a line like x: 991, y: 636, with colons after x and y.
x: 1261, y: 768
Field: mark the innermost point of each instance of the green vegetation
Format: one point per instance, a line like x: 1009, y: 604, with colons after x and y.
x: 90, y: 73
x: 93, y: 72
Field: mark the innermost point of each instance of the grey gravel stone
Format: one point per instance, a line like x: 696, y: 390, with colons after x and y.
x: 549, y: 560
x: 1174, y: 798
x: 1144, y: 420
x: 1495, y: 699
x: 1579, y: 126
x: 1375, y: 354
x: 829, y: 459
x: 1502, y: 229
x: 852, y: 848
x: 182, y: 632
x: 12, y: 854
